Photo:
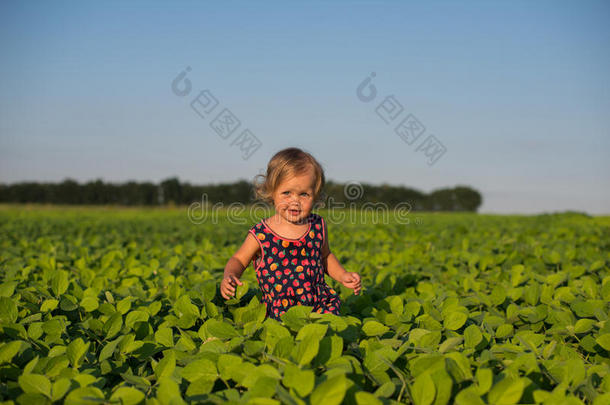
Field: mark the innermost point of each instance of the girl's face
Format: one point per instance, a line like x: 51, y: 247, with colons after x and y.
x: 293, y: 198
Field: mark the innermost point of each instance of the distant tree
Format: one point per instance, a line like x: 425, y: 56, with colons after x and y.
x: 68, y: 192
x: 467, y: 199
x: 441, y: 200
x: 172, y: 190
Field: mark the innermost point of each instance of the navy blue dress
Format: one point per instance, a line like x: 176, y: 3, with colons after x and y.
x: 290, y: 271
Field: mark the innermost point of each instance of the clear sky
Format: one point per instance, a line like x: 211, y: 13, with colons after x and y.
x: 518, y: 92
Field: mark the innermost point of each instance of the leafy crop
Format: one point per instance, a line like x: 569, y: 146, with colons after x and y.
x: 121, y: 306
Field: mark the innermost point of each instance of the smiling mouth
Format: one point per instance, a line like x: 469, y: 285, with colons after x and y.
x: 294, y: 212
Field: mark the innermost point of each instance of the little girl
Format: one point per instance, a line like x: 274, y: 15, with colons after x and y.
x: 290, y: 249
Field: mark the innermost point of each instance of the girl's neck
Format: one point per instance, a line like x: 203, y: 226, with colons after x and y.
x: 278, y: 220
x: 286, y: 229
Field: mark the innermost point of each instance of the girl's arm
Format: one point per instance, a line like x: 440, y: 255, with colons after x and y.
x: 237, y: 264
x: 331, y: 263
x: 334, y: 269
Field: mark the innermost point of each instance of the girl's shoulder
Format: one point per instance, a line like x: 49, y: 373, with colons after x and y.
x: 316, y: 217
x: 257, y: 227
x: 318, y: 223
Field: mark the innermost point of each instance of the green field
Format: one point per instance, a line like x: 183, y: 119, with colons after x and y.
x: 113, y: 305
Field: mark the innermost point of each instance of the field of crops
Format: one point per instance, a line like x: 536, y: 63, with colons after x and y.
x: 122, y: 306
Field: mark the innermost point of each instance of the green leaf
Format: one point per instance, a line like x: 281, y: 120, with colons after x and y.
x: 53, y: 327
x: 49, y: 305
x: 60, y: 388
x: 164, y: 337
x: 330, y: 392
x: 89, y: 304
x: 331, y: 347
x: 484, y: 378
x: 583, y: 325
x: 396, y: 305
x: 504, y: 330
x: 296, y: 317
x: 198, y: 369
x: 374, y: 328
x: 472, y: 336
x: 227, y: 365
x: 184, y: 307
x: 507, y: 391
x: 127, y: 396
x: 498, y: 295
x: 602, y: 399
x: 168, y: 392
x: 604, y: 341
x: 124, y: 305
x: 35, y: 384
x: 200, y: 386
x: 386, y: 390
x: 554, y: 257
x: 8, y: 310
x: 113, y: 325
x: 7, y: 289
x: 135, y: 316
x: 468, y: 396
x: 302, y: 381
x: 365, y: 398
x: 306, y: 350
x: 598, y: 264
x: 109, y: 349
x: 137, y: 381
x: 30, y: 366
x: 241, y: 290
x: 84, y: 395
x: 265, y: 387
x: 165, y: 367
x: 76, y: 350
x: 458, y: 366
x: 109, y: 297
x: 84, y: 380
x: 9, y: 350
x: 443, y: 385
x: 450, y: 344
x: 173, y: 262
x: 423, y: 390
x: 220, y: 329
x: 455, y: 320
x: 68, y: 303
x: 314, y: 330
x: 59, y: 282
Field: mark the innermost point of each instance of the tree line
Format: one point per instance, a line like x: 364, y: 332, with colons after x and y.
x: 173, y: 192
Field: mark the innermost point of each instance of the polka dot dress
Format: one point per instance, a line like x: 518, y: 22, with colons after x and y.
x: 290, y: 271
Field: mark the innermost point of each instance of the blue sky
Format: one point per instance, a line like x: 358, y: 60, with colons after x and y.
x: 518, y: 92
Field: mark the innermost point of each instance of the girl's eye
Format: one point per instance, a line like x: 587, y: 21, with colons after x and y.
x: 286, y: 192
x: 304, y: 194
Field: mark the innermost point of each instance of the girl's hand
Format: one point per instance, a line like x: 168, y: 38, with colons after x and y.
x: 228, y: 285
x: 352, y: 280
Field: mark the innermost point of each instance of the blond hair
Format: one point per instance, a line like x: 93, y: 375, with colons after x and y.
x: 284, y: 165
